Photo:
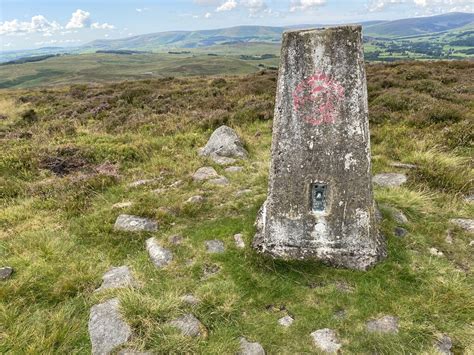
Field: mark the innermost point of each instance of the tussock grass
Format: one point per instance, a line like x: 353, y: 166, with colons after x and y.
x: 57, y: 229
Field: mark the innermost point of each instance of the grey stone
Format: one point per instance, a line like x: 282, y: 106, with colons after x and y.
x: 133, y: 352
x: 326, y: 340
x: 233, y: 169
x: 117, y: 277
x: 130, y: 223
x: 444, y: 345
x: 239, y: 241
x: 224, y: 142
x: 158, y: 255
x: 195, y: 199
x: 469, y: 198
x: 176, y: 239
x: 449, y: 237
x: 389, y: 179
x: 385, y: 324
x: 141, y: 182
x: 320, y: 200
x: 436, y: 252
x: 176, y: 183
x: 464, y: 223
x: 189, y: 325
x: 210, y: 270
x: 340, y: 314
x: 403, y: 165
x: 400, y: 232
x: 205, y: 173
x: 220, y: 181
x: 222, y: 160
x: 286, y: 321
x: 215, y: 246
x: 122, y: 204
x: 399, y: 216
x: 159, y: 191
x: 107, y: 329
x: 190, y: 299
x: 249, y: 348
x: 5, y: 272
x: 378, y: 214
x: 243, y: 192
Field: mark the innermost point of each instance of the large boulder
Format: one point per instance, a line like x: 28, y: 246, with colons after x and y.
x: 224, y: 142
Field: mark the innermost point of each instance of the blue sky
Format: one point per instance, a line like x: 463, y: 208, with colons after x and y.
x: 38, y: 23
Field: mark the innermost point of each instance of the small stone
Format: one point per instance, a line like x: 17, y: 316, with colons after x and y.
x: 286, y: 321
x: 389, y: 179
x: 122, y: 204
x: 385, y: 324
x: 471, y: 243
x: 189, y: 325
x: 239, y: 241
x: 222, y: 160
x: 195, y: 199
x: 399, y: 216
x: 220, y: 181
x: 215, y: 246
x: 107, y: 329
x: 158, y: 191
x: 436, y: 252
x: 233, y: 169
x: 248, y: 348
x: 340, y: 314
x: 176, y: 239
x: 210, y: 270
x: 243, y: 192
x: 158, y: 255
x: 403, y: 165
x: 176, y: 183
x: 469, y: 198
x: 400, y: 232
x: 5, y: 273
x: 464, y: 223
x: 130, y: 223
x: 449, y: 237
x: 141, y: 182
x: 378, y: 214
x: 117, y: 277
x: 224, y: 142
x: 133, y: 352
x: 326, y: 340
x: 205, y: 173
x: 444, y: 345
x: 190, y: 299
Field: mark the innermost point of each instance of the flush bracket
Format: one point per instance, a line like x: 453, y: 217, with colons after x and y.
x: 318, y: 197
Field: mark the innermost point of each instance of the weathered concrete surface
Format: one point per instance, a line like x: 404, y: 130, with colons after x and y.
x: 321, y: 137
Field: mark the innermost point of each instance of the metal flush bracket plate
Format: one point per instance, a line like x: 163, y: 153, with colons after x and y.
x: 318, y: 196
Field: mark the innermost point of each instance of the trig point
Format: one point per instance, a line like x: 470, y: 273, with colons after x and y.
x: 320, y: 203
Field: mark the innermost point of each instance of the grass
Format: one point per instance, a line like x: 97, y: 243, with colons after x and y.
x: 57, y: 228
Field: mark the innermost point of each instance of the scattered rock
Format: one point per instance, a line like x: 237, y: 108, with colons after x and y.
x: 286, y: 321
x: 141, y: 182
x: 176, y: 183
x: 220, y: 181
x: 248, y: 348
x: 176, y: 239
x: 107, y: 330
x: 340, y: 314
x: 205, y: 173
x: 195, y: 199
x: 403, y: 165
x: 117, y: 277
x: 385, y: 324
x: 389, y: 179
x: 210, y: 270
x: 469, y: 198
x: 343, y: 286
x: 130, y: 223
x: 399, y: 216
x: 444, y: 345
x: 133, y: 352
x: 222, y: 160
x: 243, y: 192
x: 436, y: 252
x: 189, y: 325
x: 158, y: 255
x: 190, y: 299
x: 122, y: 204
x: 400, y: 232
x: 239, y: 241
x: 215, y: 246
x: 326, y: 340
x: 464, y: 223
x: 5, y: 273
x: 471, y: 243
x: 449, y: 237
x: 233, y: 169
x: 224, y: 142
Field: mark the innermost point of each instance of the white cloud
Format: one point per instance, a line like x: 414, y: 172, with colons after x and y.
x: 379, y: 5
x: 79, y: 19
x: 254, y: 6
x: 38, y: 23
x: 297, y: 5
x: 143, y: 9
x: 208, y: 15
x: 102, y: 26
x: 207, y: 2
x: 227, y: 6
x: 427, y: 6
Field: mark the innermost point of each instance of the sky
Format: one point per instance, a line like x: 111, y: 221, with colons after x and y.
x: 38, y: 23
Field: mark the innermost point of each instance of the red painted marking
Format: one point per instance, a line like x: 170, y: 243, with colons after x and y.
x: 317, y: 99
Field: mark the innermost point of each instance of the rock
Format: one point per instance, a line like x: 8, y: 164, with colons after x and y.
x: 449, y: 237
x: 248, y: 348
x: 210, y: 270
x: 5, y: 273
x: 195, y: 199
x: 464, y: 223
x: 122, y: 204
x: 469, y: 198
x: 233, y: 169
x: 344, y: 287
x: 471, y: 243
x: 176, y: 239
x: 340, y: 314
x: 215, y: 246
x: 444, y: 345
x: 400, y: 232
x: 385, y: 324
x: 389, y: 179
x: 166, y: 211
x: 130, y: 223
x: 220, y: 181
x: 158, y: 255
x: 286, y: 321
x: 176, y: 183
x: 158, y: 191
x: 403, y: 165
x: 326, y: 340
x: 117, y: 277
x: 222, y: 160
x: 399, y: 216
x: 243, y: 192
x: 190, y: 299
x: 205, y: 173
x: 141, y: 182
x: 239, y: 241
x: 189, y: 325
x: 378, y: 214
x: 133, y: 352
x: 107, y: 330
x: 436, y: 252
x: 224, y: 142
